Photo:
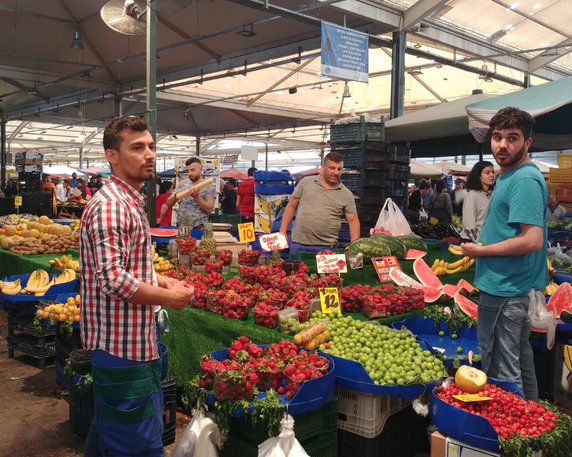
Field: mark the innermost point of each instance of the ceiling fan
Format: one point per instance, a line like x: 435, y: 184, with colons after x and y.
x: 125, y: 16
x: 128, y: 16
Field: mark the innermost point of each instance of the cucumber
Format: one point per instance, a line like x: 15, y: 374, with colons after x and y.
x: 412, y: 242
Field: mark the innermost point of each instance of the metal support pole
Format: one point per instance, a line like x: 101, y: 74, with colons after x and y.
x: 397, y: 74
x: 198, y: 145
x: 266, y: 157
x: 3, y: 152
x: 151, y: 115
x: 117, y: 108
x: 81, y: 157
x: 526, y: 82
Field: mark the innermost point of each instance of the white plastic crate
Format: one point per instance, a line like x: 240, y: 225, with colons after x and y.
x: 365, y: 414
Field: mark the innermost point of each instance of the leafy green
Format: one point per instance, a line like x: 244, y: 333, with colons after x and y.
x: 454, y: 320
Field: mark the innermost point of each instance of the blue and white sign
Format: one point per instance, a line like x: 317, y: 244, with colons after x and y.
x: 344, y: 53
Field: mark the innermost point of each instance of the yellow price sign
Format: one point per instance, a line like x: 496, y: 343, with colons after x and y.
x: 18, y: 200
x: 246, y: 232
x: 467, y: 398
x: 329, y: 300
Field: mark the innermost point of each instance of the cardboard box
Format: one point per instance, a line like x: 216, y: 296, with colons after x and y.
x: 29, y: 155
x: 29, y: 162
x: 437, y: 444
x: 563, y: 375
x: 28, y: 168
x: 455, y: 448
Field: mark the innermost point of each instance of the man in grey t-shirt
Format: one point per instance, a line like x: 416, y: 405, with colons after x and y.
x: 322, y: 202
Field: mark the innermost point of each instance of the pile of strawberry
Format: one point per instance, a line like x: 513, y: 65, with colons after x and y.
x: 248, y: 258
x: 508, y: 413
x: 224, y: 255
x: 229, y: 304
x: 391, y: 300
x: 249, y: 368
x: 352, y: 297
x: 198, y: 256
x: 186, y: 244
x: 215, y: 266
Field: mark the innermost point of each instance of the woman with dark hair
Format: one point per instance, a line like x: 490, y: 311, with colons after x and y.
x: 164, y: 212
x: 440, y: 204
x: 415, y: 203
x: 479, y: 184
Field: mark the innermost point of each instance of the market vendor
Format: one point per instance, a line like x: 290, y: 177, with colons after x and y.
x: 554, y: 211
x: 120, y: 293
x: 194, y: 209
x: 322, y: 202
x: 511, y: 253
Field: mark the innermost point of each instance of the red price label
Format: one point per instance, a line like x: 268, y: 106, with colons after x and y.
x: 246, y: 232
x: 382, y: 266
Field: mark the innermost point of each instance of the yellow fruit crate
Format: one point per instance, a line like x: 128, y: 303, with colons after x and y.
x: 558, y: 175
x: 565, y: 161
x: 552, y: 188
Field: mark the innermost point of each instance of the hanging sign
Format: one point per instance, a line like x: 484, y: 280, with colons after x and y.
x: 344, y: 53
x: 246, y: 232
x: 329, y: 300
x: 331, y: 263
x: 273, y: 241
x: 382, y: 266
x: 18, y: 200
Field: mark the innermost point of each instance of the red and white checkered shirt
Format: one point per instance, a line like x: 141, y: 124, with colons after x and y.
x: 115, y: 255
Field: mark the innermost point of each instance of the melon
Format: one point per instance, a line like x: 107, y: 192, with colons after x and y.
x: 425, y: 275
x: 431, y: 295
x: 402, y: 279
x: 467, y: 285
x: 412, y: 254
x: 44, y: 220
x: 469, y: 307
x: 450, y: 290
x: 470, y: 379
x: 561, y: 300
x: 10, y: 230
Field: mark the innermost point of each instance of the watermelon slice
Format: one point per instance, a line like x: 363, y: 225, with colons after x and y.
x: 467, y: 285
x: 450, y: 290
x: 561, y: 300
x: 426, y: 275
x: 469, y: 307
x: 431, y: 295
x: 402, y: 279
x: 412, y: 254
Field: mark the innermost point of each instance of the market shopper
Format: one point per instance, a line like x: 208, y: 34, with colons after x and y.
x: 120, y: 293
x: 480, y: 184
x: 511, y: 253
x: 194, y: 209
x: 322, y: 202
x: 440, y: 207
x: 245, y: 197
x: 554, y: 211
x: 229, y: 197
x: 415, y: 203
x: 458, y: 196
x: 164, y: 212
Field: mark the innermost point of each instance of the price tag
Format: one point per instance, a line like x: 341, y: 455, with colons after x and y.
x: 467, y: 398
x: 18, y: 200
x: 273, y: 241
x: 246, y: 232
x: 382, y: 266
x: 331, y: 263
x: 329, y: 300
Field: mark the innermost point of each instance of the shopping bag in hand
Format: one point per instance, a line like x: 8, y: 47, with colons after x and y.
x: 540, y: 317
x: 285, y: 444
x: 392, y: 219
x: 201, y: 437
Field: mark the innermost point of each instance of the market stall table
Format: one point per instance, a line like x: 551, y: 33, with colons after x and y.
x: 13, y: 264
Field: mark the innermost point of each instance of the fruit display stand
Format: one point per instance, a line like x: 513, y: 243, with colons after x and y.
x: 11, y: 263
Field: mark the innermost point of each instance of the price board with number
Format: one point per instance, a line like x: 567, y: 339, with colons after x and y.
x: 330, y: 300
x: 273, y: 241
x: 246, y: 232
x: 331, y: 263
x: 18, y: 200
x: 382, y: 266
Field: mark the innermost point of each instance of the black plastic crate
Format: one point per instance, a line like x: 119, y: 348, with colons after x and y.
x: 357, y: 132
x: 81, y: 407
x: 25, y: 323
x: 361, y: 157
x: 353, y: 181
x: 42, y: 349
x: 344, y: 233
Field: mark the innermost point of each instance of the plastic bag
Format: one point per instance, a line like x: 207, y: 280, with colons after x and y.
x: 285, y: 444
x: 392, y: 219
x: 422, y: 214
x: 540, y: 317
x: 201, y: 437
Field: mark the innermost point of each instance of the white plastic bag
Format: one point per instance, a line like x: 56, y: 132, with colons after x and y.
x: 392, y: 219
x: 201, y: 437
x: 540, y: 317
x: 285, y: 444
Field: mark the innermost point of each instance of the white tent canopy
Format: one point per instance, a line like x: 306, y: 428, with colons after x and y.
x: 452, y: 168
x: 60, y: 170
x: 424, y: 170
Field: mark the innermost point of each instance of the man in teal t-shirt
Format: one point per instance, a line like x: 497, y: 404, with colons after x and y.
x: 511, y: 254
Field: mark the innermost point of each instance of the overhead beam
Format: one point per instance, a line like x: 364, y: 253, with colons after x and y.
x: 429, y: 88
x: 544, y: 59
x: 419, y: 11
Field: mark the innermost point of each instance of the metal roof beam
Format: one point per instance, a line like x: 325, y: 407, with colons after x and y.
x: 419, y: 11
x: 545, y: 58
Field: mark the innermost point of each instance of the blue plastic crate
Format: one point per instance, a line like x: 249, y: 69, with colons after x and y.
x: 269, y: 176
x: 273, y: 189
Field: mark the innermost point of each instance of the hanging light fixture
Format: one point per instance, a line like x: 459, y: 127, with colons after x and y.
x: 246, y: 32
x: 76, y: 42
x: 347, y: 93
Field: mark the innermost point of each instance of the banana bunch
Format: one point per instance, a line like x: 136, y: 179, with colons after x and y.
x: 550, y: 288
x: 11, y: 287
x: 455, y: 249
x: 64, y: 262
x: 551, y: 270
x: 39, y: 281
x: 440, y: 267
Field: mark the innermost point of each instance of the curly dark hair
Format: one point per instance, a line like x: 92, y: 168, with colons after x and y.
x: 116, y: 126
x: 474, y: 178
x: 511, y: 118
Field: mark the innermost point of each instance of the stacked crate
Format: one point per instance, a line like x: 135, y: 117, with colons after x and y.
x: 560, y: 181
x: 29, y: 167
x: 373, y: 169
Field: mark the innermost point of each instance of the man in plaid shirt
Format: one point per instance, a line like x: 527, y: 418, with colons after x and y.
x: 120, y: 293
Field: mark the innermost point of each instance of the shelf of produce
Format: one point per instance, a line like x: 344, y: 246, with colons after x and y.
x: 12, y: 264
